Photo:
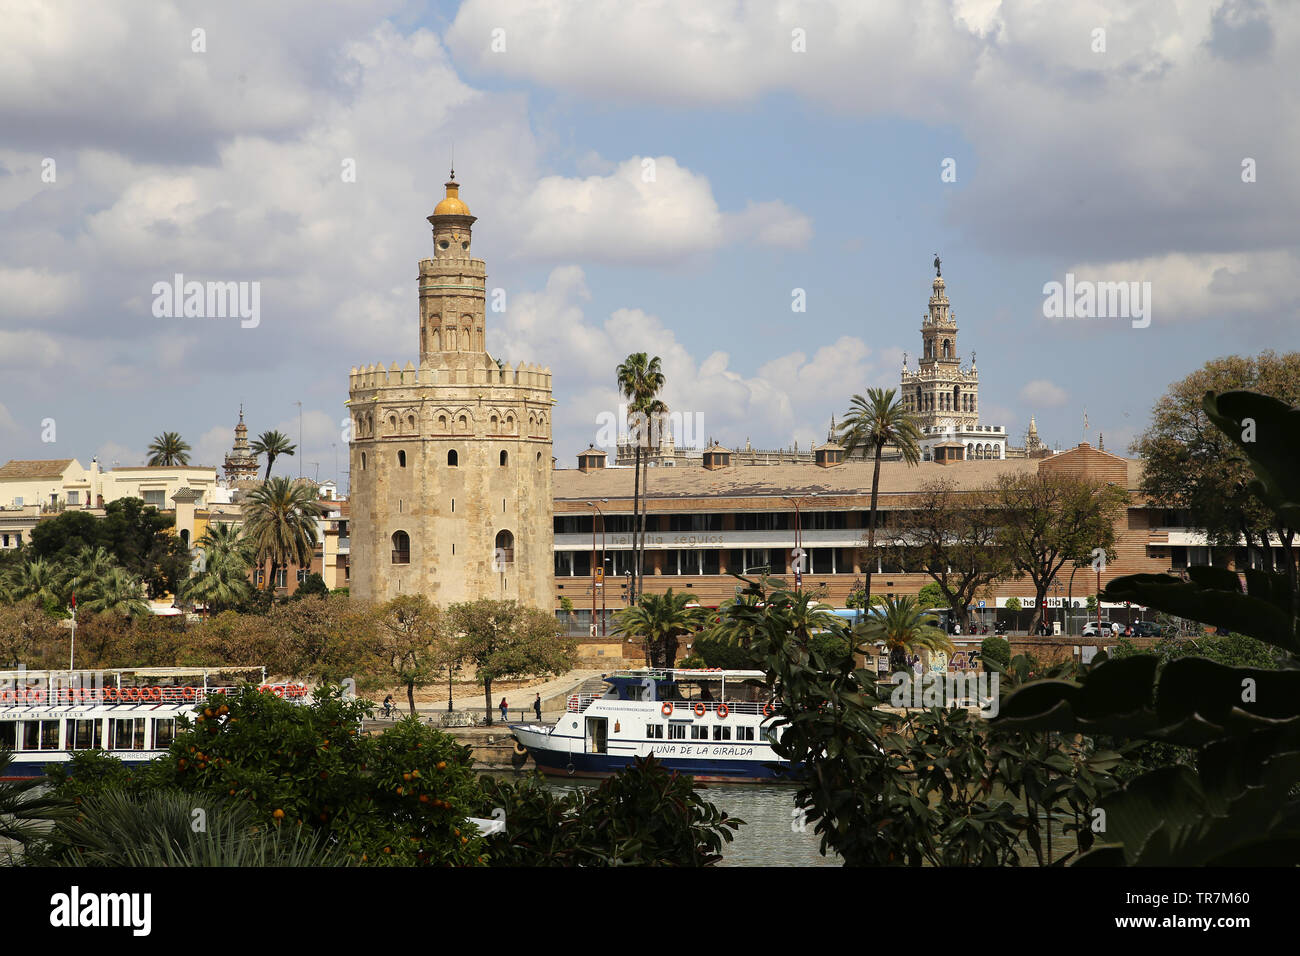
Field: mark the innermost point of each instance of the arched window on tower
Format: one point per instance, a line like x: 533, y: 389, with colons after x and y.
x: 505, y: 458
x: 401, y: 547
x: 401, y: 459
x: 505, y: 548
x: 453, y: 460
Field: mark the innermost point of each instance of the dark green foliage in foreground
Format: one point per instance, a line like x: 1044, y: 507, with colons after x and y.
x: 1236, y: 800
x: 641, y: 816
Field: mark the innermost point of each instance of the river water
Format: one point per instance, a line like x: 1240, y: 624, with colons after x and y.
x: 774, y: 833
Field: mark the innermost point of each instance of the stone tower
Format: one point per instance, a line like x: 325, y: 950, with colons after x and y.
x: 240, y: 466
x: 942, y: 396
x: 451, y: 460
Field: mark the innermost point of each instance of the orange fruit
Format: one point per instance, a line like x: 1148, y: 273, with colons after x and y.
x: 278, y: 814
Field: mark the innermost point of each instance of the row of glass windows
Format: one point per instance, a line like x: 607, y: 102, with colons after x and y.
x: 453, y: 459
x: 744, y: 521
x: 124, y: 733
x: 677, y: 731
x: 704, y: 561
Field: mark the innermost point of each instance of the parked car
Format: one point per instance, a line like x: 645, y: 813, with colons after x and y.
x: 1147, y: 629
x: 1107, y: 629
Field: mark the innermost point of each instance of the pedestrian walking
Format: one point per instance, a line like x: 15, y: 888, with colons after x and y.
x: 504, y: 709
x: 537, y: 706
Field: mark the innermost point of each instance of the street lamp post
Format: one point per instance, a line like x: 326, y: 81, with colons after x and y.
x: 798, y: 554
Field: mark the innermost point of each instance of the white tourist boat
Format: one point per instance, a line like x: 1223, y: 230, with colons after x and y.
x: 715, y: 725
x: 46, y: 716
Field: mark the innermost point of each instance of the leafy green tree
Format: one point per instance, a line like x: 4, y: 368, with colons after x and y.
x: 874, y: 422
x: 413, y: 646
x: 169, y: 449
x: 1047, y: 520
x: 272, y: 444
x: 323, y: 639
x: 280, y: 525
x: 930, y: 596
x: 659, y: 620
x: 312, y: 586
x: 1189, y: 464
x: 29, y: 637
x: 506, y: 641
x: 954, y: 537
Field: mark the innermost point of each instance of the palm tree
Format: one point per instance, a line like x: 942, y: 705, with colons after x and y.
x: 659, y: 619
x: 639, y: 379
x: 89, y: 568
x: 27, y: 808
x: 37, y: 578
x: 118, y: 592
x: 272, y: 444
x: 169, y: 449
x: 874, y: 422
x: 902, y: 626
x: 223, y: 580
x: 279, y: 522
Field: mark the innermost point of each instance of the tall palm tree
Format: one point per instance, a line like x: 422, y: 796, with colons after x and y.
x: 874, y: 422
x: 119, y: 592
x: 902, y: 626
x: 223, y: 580
x: 272, y: 444
x: 279, y: 522
x: 169, y: 449
x: 659, y: 619
x: 640, y: 379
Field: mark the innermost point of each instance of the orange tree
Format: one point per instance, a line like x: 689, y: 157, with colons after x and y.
x: 400, y: 798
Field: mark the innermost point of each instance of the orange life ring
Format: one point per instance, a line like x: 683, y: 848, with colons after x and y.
x: 768, y: 709
x: 133, y: 693
x: 723, y: 711
x: 699, y: 710
x: 278, y: 691
x: 40, y: 696
x: 189, y: 693
x: 667, y: 708
x: 110, y: 693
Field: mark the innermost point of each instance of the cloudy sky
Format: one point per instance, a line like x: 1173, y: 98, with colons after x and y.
x: 829, y: 147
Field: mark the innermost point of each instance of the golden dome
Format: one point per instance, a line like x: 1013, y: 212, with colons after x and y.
x: 452, y: 205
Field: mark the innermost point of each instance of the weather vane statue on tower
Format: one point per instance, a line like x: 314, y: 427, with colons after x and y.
x: 937, y: 273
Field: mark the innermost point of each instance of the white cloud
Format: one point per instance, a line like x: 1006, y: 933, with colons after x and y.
x: 1040, y: 393
x: 35, y: 293
x: 789, y: 398
x: 26, y: 351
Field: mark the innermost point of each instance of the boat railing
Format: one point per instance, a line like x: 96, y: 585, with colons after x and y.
x: 152, y: 694
x: 579, y: 702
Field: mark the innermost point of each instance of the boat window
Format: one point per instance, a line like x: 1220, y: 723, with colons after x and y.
x: 654, y: 731
x: 40, y: 735
x: 164, y: 732
x: 127, y: 734
x: 744, y: 733
x: 676, y: 731
x: 771, y: 733
x: 83, y: 734
x: 8, y: 735
x: 699, y: 732
x: 721, y: 733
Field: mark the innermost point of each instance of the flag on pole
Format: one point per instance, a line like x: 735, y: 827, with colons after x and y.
x: 74, y: 600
